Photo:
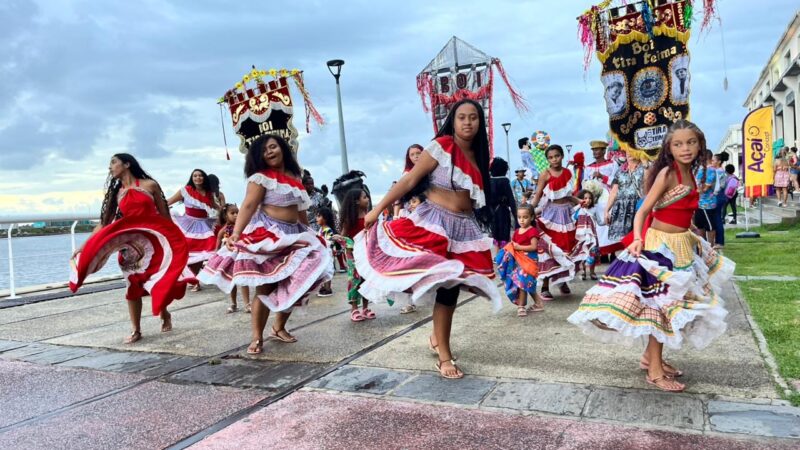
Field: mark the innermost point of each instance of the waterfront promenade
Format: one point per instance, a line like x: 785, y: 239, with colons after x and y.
x: 536, y: 382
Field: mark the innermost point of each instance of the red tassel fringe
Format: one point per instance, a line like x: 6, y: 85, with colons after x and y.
x: 709, y: 12
x: 424, y: 89
x: 516, y: 97
x: 311, y: 111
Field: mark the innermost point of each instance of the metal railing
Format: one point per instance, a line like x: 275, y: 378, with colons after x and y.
x: 12, y: 220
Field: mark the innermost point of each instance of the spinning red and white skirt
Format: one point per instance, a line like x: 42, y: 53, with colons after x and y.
x: 432, y: 248
x: 270, y: 251
x: 197, y: 224
x: 152, y: 255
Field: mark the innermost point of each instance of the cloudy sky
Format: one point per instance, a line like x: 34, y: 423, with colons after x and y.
x: 81, y: 80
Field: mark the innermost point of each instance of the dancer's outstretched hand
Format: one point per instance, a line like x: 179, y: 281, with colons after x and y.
x: 229, y: 243
x: 635, y: 249
x: 371, y: 218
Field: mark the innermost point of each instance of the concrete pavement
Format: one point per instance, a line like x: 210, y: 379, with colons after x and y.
x: 541, y: 383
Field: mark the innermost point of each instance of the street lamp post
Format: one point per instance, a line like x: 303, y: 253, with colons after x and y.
x: 569, y: 150
x: 335, y: 68
x: 506, y: 127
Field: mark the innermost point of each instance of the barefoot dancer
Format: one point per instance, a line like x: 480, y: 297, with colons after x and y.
x: 440, y: 248
x: 271, y: 247
x: 665, y: 287
x: 198, y: 220
x: 135, y: 221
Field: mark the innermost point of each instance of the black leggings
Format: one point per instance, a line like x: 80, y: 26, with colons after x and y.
x: 732, y: 204
x: 447, y: 296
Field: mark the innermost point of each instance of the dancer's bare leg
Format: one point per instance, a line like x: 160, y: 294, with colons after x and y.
x: 259, y: 319
x: 135, y: 313
x: 656, y: 371
x: 442, y: 324
x: 166, y: 321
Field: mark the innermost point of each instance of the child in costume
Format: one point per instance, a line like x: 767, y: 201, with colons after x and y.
x: 227, y: 219
x: 326, y: 222
x: 135, y: 222
x: 440, y: 248
x: 586, y: 218
x: 557, y: 243
x: 271, y: 247
x: 355, y: 206
x: 198, y: 219
x: 665, y: 287
x: 517, y: 263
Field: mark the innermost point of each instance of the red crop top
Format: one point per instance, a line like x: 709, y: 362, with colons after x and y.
x: 525, y: 238
x: 678, y: 205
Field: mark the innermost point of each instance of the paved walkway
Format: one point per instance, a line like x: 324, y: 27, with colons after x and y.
x: 535, y: 382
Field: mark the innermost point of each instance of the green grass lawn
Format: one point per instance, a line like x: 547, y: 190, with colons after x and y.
x: 775, y: 304
x: 776, y: 252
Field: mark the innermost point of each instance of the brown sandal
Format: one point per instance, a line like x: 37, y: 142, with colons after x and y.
x: 655, y: 382
x: 669, y: 370
x: 276, y: 335
x: 255, y: 347
x: 459, y: 373
x: 135, y: 336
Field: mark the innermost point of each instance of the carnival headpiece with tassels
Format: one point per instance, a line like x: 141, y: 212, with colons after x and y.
x: 643, y: 49
x: 260, y: 106
x: 462, y: 71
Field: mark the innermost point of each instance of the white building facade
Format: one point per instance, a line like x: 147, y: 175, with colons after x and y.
x: 732, y: 145
x: 779, y: 85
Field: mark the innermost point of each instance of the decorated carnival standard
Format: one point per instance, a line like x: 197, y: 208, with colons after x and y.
x: 462, y: 71
x: 646, y: 80
x: 260, y: 106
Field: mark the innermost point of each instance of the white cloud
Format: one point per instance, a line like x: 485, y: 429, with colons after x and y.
x: 96, y: 78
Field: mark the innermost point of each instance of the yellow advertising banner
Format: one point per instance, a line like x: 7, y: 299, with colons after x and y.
x: 757, y: 151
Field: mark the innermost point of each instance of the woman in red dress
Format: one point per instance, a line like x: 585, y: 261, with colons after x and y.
x: 135, y: 221
x: 198, y: 220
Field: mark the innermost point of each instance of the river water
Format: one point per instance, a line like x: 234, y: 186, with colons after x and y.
x: 44, y: 259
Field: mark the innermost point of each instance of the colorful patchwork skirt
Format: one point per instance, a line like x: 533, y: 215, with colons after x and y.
x: 432, y: 248
x: 270, y: 251
x: 671, y: 292
x: 518, y: 270
x: 557, y: 244
x: 200, y: 237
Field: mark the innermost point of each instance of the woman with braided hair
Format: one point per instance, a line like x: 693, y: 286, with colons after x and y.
x: 135, y: 222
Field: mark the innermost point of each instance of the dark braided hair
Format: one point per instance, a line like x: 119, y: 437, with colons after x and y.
x: 110, y: 209
x: 665, y: 158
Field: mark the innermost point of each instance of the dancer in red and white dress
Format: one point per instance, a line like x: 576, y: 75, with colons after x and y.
x: 557, y: 244
x: 135, y: 222
x: 199, y: 219
x: 602, y: 171
x: 439, y: 249
x: 271, y: 247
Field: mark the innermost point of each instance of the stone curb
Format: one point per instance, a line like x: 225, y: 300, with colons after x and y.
x: 683, y: 413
